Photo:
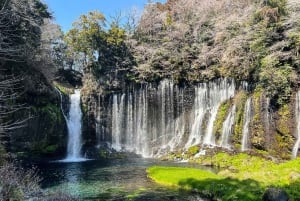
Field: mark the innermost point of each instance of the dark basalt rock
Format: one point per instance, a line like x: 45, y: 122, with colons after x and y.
x: 275, y: 194
x: 72, y: 77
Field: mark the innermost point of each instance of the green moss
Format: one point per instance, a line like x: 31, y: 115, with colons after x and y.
x: 258, y: 131
x: 206, y: 183
x: 42, y: 148
x: 52, y: 112
x: 50, y: 149
x: 172, y: 176
x: 136, y: 194
x: 64, y: 89
x: 243, y: 177
x: 84, y: 108
x: 240, y: 100
x: 193, y: 150
x: 173, y: 156
x: 283, y: 136
x: 284, y: 118
x: 220, y: 118
x: 103, y: 153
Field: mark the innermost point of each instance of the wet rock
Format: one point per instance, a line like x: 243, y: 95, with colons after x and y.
x: 275, y: 194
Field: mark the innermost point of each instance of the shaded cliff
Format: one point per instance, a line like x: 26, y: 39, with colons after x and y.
x: 44, y: 131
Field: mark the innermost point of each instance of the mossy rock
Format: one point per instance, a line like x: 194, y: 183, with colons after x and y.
x: 193, y: 150
x: 257, y: 127
x: 220, y: 118
x: 284, y: 128
x: 64, y: 88
x: 51, y: 149
x: 283, y: 123
x: 240, y: 100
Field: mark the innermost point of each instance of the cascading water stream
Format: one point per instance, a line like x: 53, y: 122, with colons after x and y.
x: 152, y: 120
x: 74, y: 130
x: 218, y: 93
x: 246, y: 126
x: 228, y: 128
x: 196, y: 132
x: 61, y: 103
x: 297, y: 112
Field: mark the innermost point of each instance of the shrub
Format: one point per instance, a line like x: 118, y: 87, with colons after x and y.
x: 276, y: 78
x: 17, y: 183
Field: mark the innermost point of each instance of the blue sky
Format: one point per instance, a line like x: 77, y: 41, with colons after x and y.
x: 67, y: 11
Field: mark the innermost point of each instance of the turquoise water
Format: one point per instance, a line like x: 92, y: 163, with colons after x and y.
x: 116, y: 179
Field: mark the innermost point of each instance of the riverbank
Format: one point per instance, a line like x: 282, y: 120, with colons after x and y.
x: 241, y: 177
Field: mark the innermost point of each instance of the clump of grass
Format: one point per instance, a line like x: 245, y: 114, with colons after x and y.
x: 243, y: 177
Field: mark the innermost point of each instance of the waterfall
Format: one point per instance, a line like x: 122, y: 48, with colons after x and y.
x: 196, y: 132
x: 74, y: 130
x: 142, y: 119
x: 151, y: 120
x: 61, y: 103
x: 99, y: 127
x: 228, y: 128
x: 246, y: 126
x: 117, y: 121
x: 217, y: 93
x: 267, y: 115
x: 297, y: 112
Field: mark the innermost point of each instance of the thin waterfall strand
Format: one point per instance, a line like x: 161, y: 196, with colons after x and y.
x: 246, y: 126
x: 218, y: 93
x: 196, y: 132
x: 228, y: 128
x: 61, y: 103
x: 297, y: 112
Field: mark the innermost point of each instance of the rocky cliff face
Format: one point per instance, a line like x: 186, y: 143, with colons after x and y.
x: 154, y: 119
x: 44, y: 133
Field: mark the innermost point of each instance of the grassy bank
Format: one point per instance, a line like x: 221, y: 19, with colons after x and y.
x: 242, y: 177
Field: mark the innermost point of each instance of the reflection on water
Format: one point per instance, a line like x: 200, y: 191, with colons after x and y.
x: 107, y: 179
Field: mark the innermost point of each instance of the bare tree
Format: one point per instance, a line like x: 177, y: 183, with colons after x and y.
x: 152, y: 20
x: 50, y: 55
x: 116, y: 19
x: 132, y: 20
x: 10, y: 88
x: 20, y: 22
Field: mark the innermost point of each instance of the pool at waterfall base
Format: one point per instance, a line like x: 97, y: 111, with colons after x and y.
x: 113, y: 179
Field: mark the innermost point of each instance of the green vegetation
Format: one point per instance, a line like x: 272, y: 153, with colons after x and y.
x: 193, y: 150
x: 258, y: 130
x: 19, y: 184
x: 242, y: 177
x: 240, y: 100
x: 221, y: 116
x: 51, y: 149
x: 172, y: 175
x: 64, y: 89
x: 51, y: 112
x: 276, y: 78
x: 99, y: 51
x: 284, y: 139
